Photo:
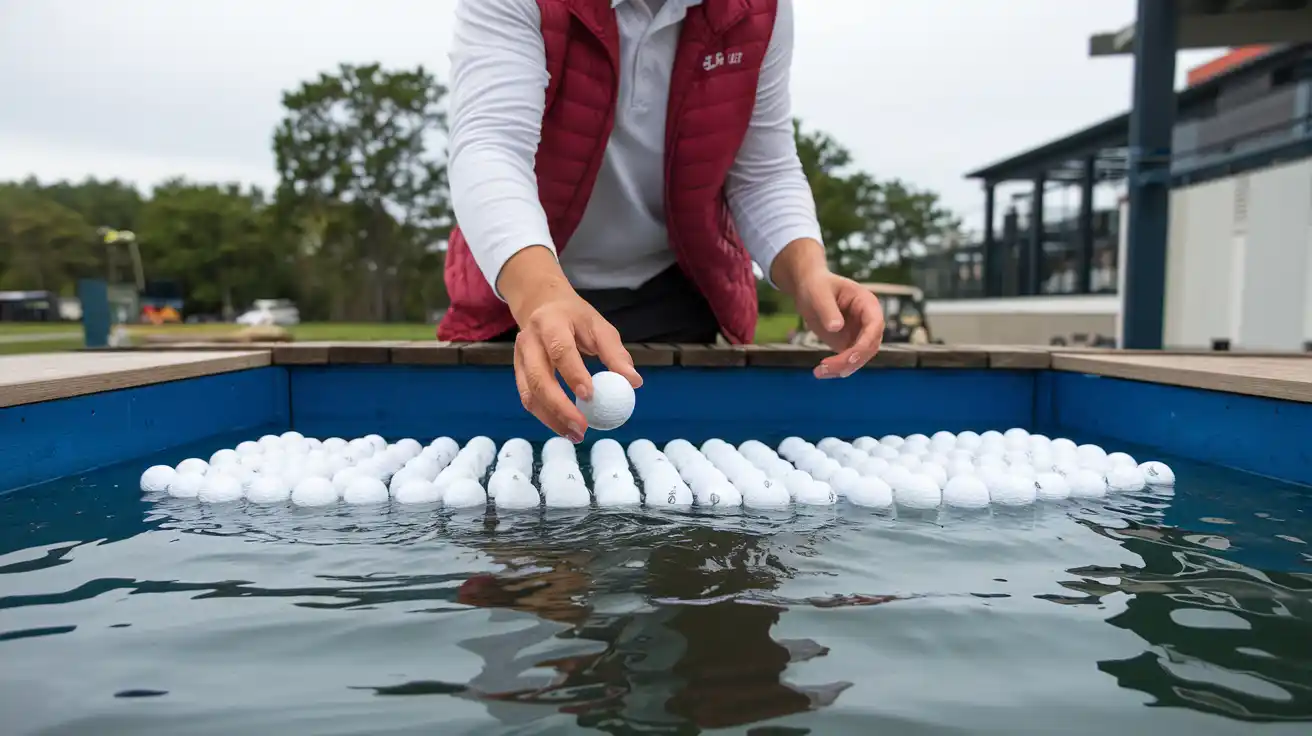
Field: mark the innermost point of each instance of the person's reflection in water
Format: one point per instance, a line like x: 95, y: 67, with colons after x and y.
x: 699, y: 656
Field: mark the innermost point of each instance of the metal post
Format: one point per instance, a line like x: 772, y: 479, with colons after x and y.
x: 1034, y: 252
x: 1009, y: 266
x: 1084, y: 284
x: 990, y: 242
x: 94, y: 295
x: 1152, y: 120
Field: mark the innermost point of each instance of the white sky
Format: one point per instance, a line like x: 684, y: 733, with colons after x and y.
x: 924, y: 90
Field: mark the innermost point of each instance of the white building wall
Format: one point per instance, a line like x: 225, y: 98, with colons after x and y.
x: 1201, y: 256
x: 1239, y: 265
x: 1274, y: 296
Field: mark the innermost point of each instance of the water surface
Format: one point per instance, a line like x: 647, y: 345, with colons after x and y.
x: 1146, y: 614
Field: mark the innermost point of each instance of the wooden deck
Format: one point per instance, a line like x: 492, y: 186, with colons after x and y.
x: 28, y: 379
x: 34, y: 378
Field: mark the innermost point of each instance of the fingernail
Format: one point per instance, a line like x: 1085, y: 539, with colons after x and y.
x: 834, y: 325
x: 854, y: 358
x: 822, y: 371
x: 583, y: 392
x: 575, y: 434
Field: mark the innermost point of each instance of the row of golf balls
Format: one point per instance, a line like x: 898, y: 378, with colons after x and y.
x: 917, y: 471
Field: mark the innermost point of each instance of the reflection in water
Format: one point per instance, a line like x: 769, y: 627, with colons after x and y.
x: 674, y: 623
x: 672, y: 613
x: 1223, y: 637
x: 702, y: 657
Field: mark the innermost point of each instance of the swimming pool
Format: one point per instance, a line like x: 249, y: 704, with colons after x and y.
x: 1148, y: 612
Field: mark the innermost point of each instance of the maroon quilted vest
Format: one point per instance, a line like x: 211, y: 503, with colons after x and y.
x: 712, y: 94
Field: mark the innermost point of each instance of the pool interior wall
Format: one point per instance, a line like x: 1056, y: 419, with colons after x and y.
x: 49, y: 440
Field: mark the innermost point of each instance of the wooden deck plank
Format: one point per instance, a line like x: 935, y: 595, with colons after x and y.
x: 426, y: 352
x: 783, y: 355
x: 362, y: 353
x: 951, y: 356
x: 302, y: 353
x: 1286, y: 378
x: 651, y: 353
x: 487, y: 353
x: 711, y: 356
x: 28, y: 379
x: 1016, y: 357
x: 895, y: 356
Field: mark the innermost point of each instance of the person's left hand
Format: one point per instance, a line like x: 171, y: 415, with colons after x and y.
x: 846, y: 316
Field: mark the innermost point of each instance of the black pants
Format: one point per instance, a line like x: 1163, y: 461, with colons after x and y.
x: 668, y: 308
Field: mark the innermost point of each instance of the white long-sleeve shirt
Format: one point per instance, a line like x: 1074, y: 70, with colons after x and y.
x: 498, y: 98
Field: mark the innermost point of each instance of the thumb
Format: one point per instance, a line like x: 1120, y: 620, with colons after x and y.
x: 820, y: 298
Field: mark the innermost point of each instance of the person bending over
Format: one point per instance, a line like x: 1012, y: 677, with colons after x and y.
x: 615, y: 168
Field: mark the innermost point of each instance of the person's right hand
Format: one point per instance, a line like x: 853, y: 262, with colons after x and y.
x: 556, y: 329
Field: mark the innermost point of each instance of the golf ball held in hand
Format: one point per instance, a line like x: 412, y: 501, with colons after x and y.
x: 611, y: 404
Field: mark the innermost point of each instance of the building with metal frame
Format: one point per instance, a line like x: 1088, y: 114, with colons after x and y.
x: 1254, y: 116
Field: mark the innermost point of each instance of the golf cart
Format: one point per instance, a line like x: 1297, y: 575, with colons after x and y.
x: 904, y: 317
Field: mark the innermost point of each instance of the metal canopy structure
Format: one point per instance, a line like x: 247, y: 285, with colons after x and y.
x: 1203, y: 24
x: 1137, y: 146
x: 1108, y: 140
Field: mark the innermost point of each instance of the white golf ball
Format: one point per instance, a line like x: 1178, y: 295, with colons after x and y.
x: 870, y: 492
x: 193, y: 466
x: 418, y: 491
x: 464, y: 493
x: 268, y: 489
x: 1052, y: 486
x: 219, y: 488
x: 611, y: 404
x: 315, y: 492
x: 365, y: 491
x: 185, y: 485
x: 1158, y: 473
x: 966, y: 492
x: 157, y: 478
x: 917, y: 491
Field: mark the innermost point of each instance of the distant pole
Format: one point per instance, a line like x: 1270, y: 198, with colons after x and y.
x: 94, y: 295
x: 1152, y: 122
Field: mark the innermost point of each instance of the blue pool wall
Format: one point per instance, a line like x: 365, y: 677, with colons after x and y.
x: 45, y: 441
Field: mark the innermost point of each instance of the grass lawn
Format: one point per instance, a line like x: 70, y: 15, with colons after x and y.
x: 775, y: 327
x: 310, y: 331
x: 41, y: 346
x: 18, y: 329
x: 772, y: 328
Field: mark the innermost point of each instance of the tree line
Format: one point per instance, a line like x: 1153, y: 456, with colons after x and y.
x: 357, y: 224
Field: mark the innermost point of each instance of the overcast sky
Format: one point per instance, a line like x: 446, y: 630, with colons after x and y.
x: 925, y: 90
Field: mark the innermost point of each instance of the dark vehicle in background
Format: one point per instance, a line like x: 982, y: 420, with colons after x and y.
x: 904, y: 317
x: 29, y: 306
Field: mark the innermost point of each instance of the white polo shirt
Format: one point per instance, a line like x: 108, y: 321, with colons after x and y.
x: 498, y: 98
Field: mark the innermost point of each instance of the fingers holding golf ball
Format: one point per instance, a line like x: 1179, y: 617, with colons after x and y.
x: 610, y: 403
x: 554, y: 339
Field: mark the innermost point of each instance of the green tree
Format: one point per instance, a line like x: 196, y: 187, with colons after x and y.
x: 218, y: 241
x: 43, y: 244
x: 108, y: 203
x: 363, y: 190
x: 871, y: 228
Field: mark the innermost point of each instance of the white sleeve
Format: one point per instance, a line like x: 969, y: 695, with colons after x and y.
x: 768, y: 192
x: 497, y: 97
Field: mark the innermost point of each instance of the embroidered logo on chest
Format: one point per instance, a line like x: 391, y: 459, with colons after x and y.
x: 722, y: 58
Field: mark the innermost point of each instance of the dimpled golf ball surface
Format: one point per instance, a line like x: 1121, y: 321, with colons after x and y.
x: 611, y: 404
x: 753, y: 603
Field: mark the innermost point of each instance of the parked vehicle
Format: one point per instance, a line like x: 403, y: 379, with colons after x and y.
x: 904, y: 316
x: 271, y: 312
